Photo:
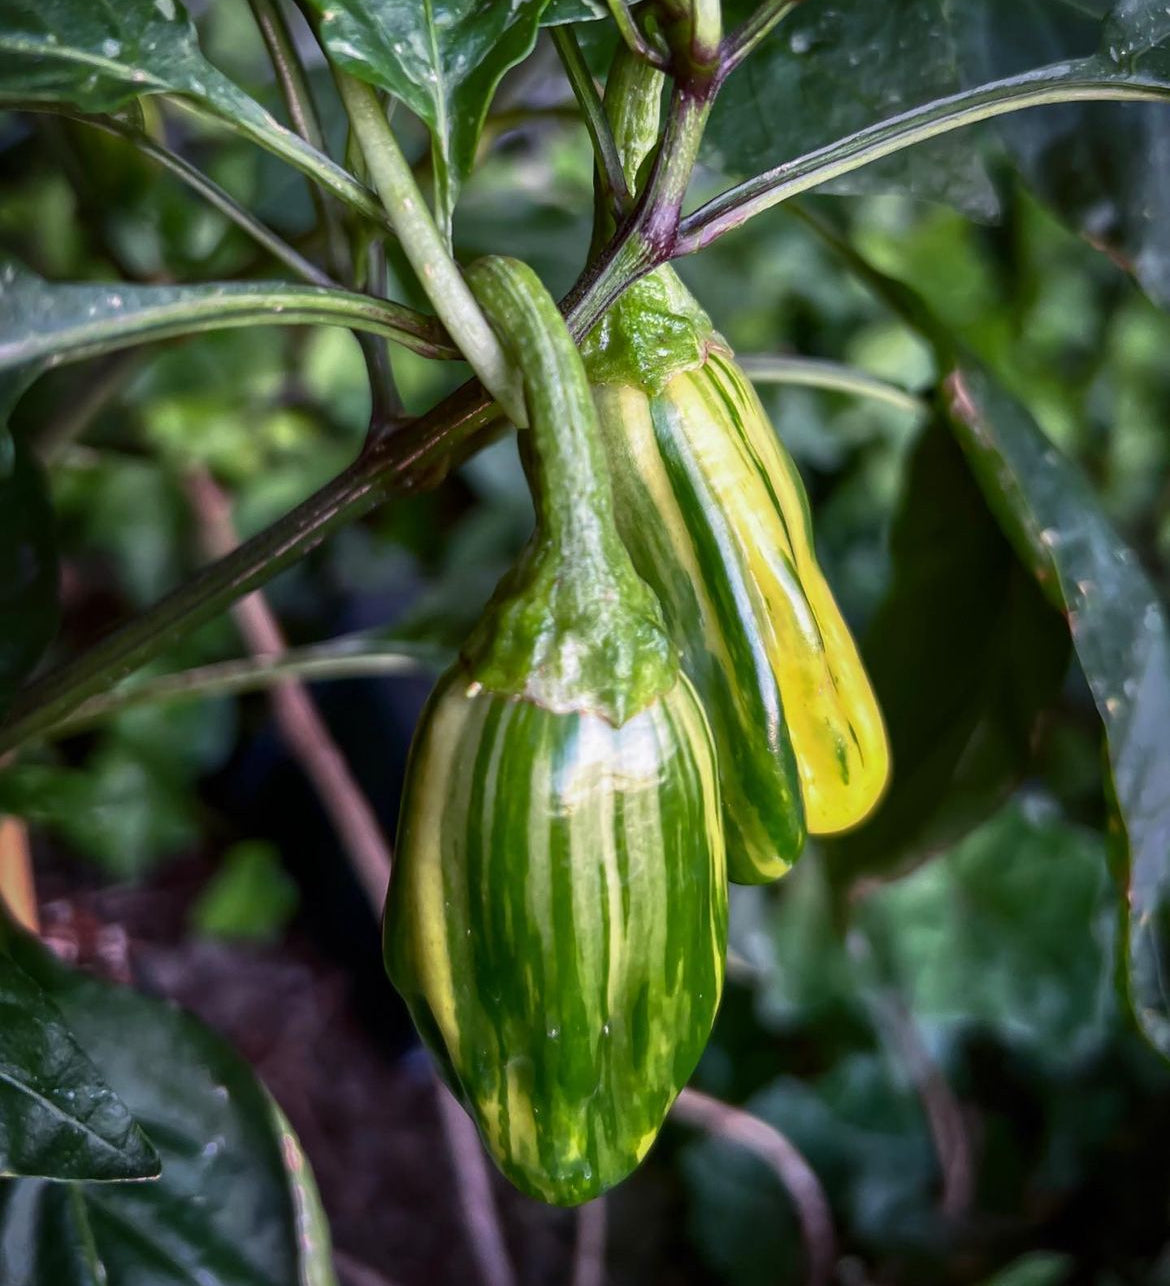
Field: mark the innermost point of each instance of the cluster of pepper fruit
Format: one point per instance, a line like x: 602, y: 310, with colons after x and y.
x: 662, y: 695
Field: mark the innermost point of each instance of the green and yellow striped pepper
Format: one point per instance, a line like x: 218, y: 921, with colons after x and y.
x: 557, y: 916
x: 715, y: 516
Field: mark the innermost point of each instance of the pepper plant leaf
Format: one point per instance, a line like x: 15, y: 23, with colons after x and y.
x: 100, y: 57
x: 28, y: 566
x: 1115, y: 617
x: 831, y: 68
x: 1119, y: 631
x: 1136, y: 27
x: 1101, y: 167
x: 1010, y: 932
x: 59, y: 1119
x: 235, y: 1205
x: 442, y: 58
x: 965, y: 656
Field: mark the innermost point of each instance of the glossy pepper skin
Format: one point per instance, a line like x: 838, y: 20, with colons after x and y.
x: 557, y: 916
x: 717, y: 521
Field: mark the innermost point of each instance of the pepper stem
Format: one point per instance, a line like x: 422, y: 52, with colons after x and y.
x: 572, y: 627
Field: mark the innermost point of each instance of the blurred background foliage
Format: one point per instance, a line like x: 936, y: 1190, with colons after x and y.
x: 944, y: 1046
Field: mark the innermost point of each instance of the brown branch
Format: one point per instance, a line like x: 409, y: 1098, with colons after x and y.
x: 313, y: 747
x: 944, y: 1114
x: 473, y: 1180
x: 354, y: 1272
x: 300, y: 724
x: 17, y: 887
x: 589, y: 1251
x: 778, y: 1153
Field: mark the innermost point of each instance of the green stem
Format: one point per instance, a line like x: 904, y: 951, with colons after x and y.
x: 609, y: 167
x: 810, y: 372
x: 694, y: 29
x: 213, y: 307
x: 386, y: 409
x: 633, y: 38
x: 566, y: 461
x: 290, y: 74
x: 573, y: 627
x: 385, y: 406
x: 633, y: 104
x: 437, y: 272
x: 212, y: 193
x: 417, y: 454
x: 745, y: 38
x: 231, y: 678
x: 649, y: 236
x: 302, y: 110
x: 1063, y: 83
x: 292, y: 148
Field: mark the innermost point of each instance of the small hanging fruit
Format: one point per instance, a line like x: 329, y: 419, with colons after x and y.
x: 715, y: 517
x: 557, y: 915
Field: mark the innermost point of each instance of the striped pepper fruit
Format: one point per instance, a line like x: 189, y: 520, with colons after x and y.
x: 557, y: 915
x: 715, y: 516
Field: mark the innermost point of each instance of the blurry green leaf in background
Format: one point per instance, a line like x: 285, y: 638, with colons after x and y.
x: 249, y: 897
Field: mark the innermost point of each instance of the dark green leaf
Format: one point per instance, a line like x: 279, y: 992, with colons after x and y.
x: 251, y: 895
x: 442, y: 58
x: 965, y: 656
x: 1041, y: 1268
x: 58, y: 1117
x: 1119, y: 631
x: 1136, y: 27
x: 1011, y: 932
x: 236, y: 1204
x: 865, y: 1136
x: 100, y: 57
x: 28, y: 567
x: 1100, y: 166
x: 831, y: 68
x: 130, y: 806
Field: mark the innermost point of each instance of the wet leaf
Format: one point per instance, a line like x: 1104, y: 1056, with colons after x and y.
x: 1119, y: 631
x: 831, y: 68
x: 59, y: 1119
x: 235, y: 1205
x: 101, y: 57
x: 965, y: 656
x: 442, y: 58
x: 559, y: 11
x: 1101, y: 167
